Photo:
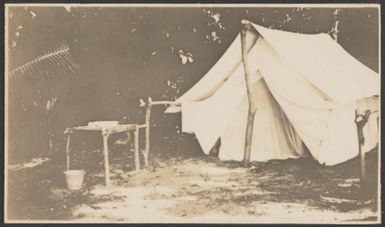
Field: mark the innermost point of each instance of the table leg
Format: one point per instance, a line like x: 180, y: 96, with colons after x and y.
x: 68, y: 151
x: 136, y: 144
x: 106, y: 159
x: 147, y: 132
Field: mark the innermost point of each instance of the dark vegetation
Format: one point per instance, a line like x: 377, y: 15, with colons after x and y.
x: 126, y: 54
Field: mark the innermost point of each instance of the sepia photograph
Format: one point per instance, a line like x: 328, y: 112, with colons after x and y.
x: 192, y: 113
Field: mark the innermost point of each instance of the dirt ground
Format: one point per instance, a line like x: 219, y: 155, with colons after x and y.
x: 199, y: 188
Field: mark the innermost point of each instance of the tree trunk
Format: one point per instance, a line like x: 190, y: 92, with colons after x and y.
x: 248, y: 39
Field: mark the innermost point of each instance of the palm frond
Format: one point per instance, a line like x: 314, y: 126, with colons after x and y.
x: 56, y: 62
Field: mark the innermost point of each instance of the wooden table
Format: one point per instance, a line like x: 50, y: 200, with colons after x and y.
x: 106, y: 132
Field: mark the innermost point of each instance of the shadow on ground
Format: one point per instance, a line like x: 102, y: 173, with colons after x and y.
x: 176, y: 188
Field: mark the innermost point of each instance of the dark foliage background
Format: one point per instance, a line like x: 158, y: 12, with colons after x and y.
x: 127, y: 53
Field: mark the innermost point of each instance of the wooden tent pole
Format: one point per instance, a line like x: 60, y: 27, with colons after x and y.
x: 148, y: 126
x: 164, y: 103
x: 361, y: 120
x: 248, y: 41
x: 362, y: 157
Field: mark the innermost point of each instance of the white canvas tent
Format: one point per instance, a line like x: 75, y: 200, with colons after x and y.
x: 307, y: 88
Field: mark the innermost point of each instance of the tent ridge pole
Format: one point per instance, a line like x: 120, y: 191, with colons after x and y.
x: 248, y: 41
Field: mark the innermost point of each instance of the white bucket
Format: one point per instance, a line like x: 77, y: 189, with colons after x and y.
x: 74, y: 179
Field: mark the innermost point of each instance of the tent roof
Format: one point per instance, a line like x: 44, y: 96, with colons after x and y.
x: 316, y: 57
x: 323, y: 62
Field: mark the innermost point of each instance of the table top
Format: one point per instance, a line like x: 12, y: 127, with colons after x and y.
x: 104, y: 129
